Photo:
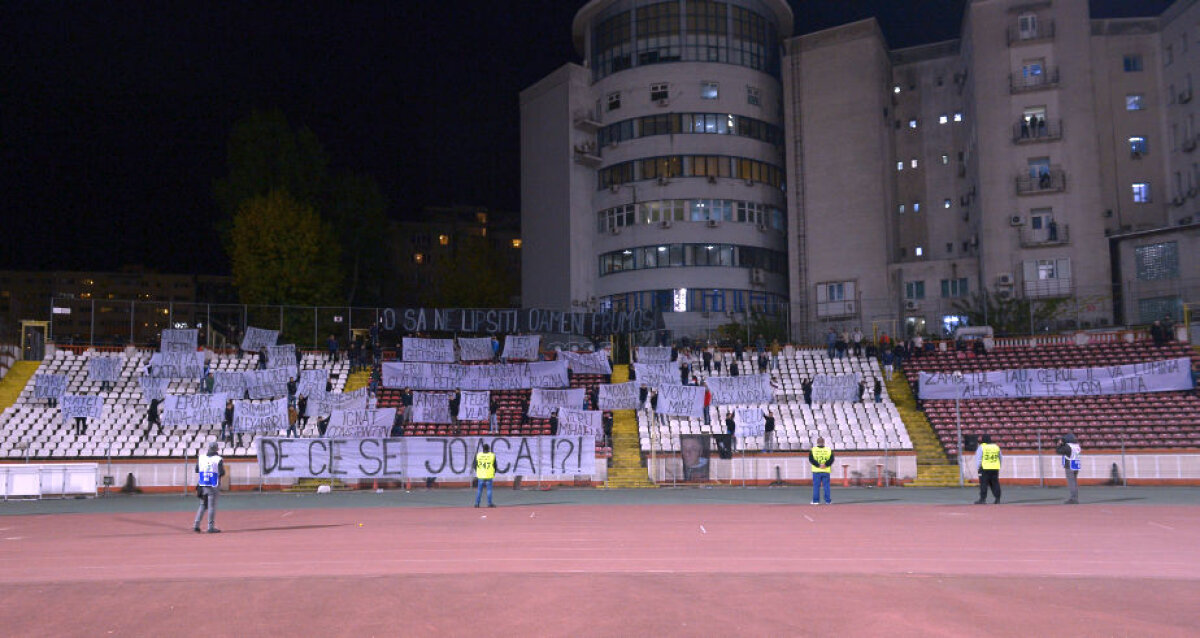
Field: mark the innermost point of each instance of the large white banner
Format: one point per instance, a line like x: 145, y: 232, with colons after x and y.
x: 1169, y: 375
x: 361, y: 424
x: 619, y: 396
x: 681, y: 400
x: 155, y: 387
x: 752, y: 388
x: 587, y: 362
x: 656, y: 374
x: 232, y: 383
x: 176, y: 365
x: 431, y: 407
x: 258, y: 338
x: 282, y: 356
x: 312, y: 384
x: 49, y: 386
x: 653, y: 354
x: 324, y: 404
x: 428, y: 350
x: 106, y: 369
x: 267, y: 417
x: 413, y: 457
x: 548, y: 374
x: 447, y: 376
x: 81, y: 405
x: 750, y: 422
x: 572, y: 422
x: 473, y: 406
x: 476, y: 349
x: 184, y: 410
x: 179, y: 340
x: 835, y: 387
x: 266, y: 384
x: 543, y: 403
x: 521, y: 347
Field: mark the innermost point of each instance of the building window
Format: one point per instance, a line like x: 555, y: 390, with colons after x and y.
x: 753, y: 96
x: 958, y: 116
x: 918, y: 251
x: 914, y: 162
x: 943, y: 118
x: 1135, y: 102
x: 900, y: 166
x: 444, y: 240
x: 912, y: 123
x: 419, y: 258
x: 945, y: 159
x: 1137, y: 146
x: 1141, y: 193
x: 1157, y: 261
x: 516, y: 243
x: 896, y: 89
x: 955, y: 287
x: 614, y: 100
x: 950, y: 248
x: 914, y: 290
x: 1155, y: 308
x: 946, y: 203
x: 835, y: 292
x: 661, y: 91
x: 1133, y: 62
x: 709, y: 90
x: 1027, y: 26
x: 916, y: 207
x: 900, y: 209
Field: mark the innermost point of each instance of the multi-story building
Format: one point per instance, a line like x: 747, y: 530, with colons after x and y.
x: 652, y: 174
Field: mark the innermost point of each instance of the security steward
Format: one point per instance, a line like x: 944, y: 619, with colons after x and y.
x: 210, y: 467
x: 485, y: 471
x: 821, y: 460
x: 988, y: 459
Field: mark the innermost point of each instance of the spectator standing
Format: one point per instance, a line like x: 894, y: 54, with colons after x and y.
x: 227, y: 423
x: 209, y: 383
x: 889, y: 362
x: 1068, y: 448
x: 856, y: 338
x: 988, y: 459
x: 293, y: 416
x: 152, y: 416
x: 302, y: 411
x: 211, y: 467
x: 485, y: 472
x: 706, y: 357
x: 878, y: 390
x: 840, y: 344
x: 606, y: 423
x: 806, y: 387
x: 331, y: 346
x: 493, y: 412
x: 768, y: 431
x: 831, y: 343
x: 821, y: 460
x: 726, y: 444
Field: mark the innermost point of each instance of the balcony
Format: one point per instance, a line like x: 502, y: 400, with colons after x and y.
x: 1044, y: 30
x: 586, y: 121
x: 1051, y: 287
x: 587, y: 155
x: 1045, y: 131
x: 1021, y: 83
x: 1057, y: 235
x: 1051, y: 181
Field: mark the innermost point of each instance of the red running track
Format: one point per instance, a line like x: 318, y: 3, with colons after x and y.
x: 610, y: 570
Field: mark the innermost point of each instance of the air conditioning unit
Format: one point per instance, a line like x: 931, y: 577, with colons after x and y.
x: 712, y: 179
x: 615, y: 230
x: 912, y: 305
x: 713, y: 223
x: 614, y: 188
x: 662, y: 181
x: 1015, y: 220
x: 663, y: 102
x: 757, y: 276
x: 666, y: 223
x: 1004, y: 279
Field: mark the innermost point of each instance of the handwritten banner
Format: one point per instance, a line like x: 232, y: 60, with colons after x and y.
x: 653, y: 354
x: 752, y: 388
x: 154, y: 387
x: 521, y: 347
x: 49, y: 386
x: 282, y: 356
x: 265, y: 417
x: 828, y: 388
x: 361, y: 424
x: 543, y: 403
x: 74, y: 406
x: 1168, y: 375
x: 502, y: 376
x: 428, y: 350
x: 107, y: 369
x: 473, y: 406
x: 586, y: 362
x: 476, y: 349
x: 266, y: 384
x: 179, y: 340
x: 573, y: 422
x: 327, y: 402
x: 497, y: 321
x: 548, y: 374
x: 750, y: 422
x: 256, y: 339
x: 656, y: 375
x: 681, y: 400
x: 183, y: 410
x: 231, y: 383
x: 176, y: 365
x: 619, y: 396
x: 431, y: 407
x: 312, y: 383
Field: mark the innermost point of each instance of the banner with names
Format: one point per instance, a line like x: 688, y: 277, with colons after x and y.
x: 177, y: 365
x: 431, y: 407
x: 750, y: 422
x: 361, y: 424
x: 327, y: 402
x: 1168, y: 375
x: 476, y: 349
x: 653, y: 354
x: 548, y: 374
x: 312, y: 383
x: 587, y: 362
x: 620, y: 396
x: 49, y: 386
x: 502, y: 376
x: 681, y: 400
x: 184, y: 410
x: 521, y: 347
x: 473, y: 406
x: 266, y: 384
x: 231, y: 383
x: 282, y: 356
x: 256, y: 339
x: 73, y: 406
x: 154, y: 387
x: 179, y: 340
x: 751, y: 388
x: 543, y: 403
x: 428, y: 350
x: 107, y: 369
x: 828, y: 388
x: 261, y: 417
x: 656, y: 374
x: 412, y: 457
x: 573, y: 422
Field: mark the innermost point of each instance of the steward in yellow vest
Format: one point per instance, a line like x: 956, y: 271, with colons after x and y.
x: 821, y: 459
x: 485, y: 471
x: 988, y: 459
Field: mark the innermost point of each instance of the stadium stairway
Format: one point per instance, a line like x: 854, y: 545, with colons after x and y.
x: 357, y: 380
x: 15, y: 381
x: 934, y: 468
x: 628, y: 469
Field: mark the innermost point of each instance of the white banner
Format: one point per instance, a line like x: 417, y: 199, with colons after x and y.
x: 155, y: 387
x: 413, y: 457
x: 361, y: 424
x: 327, y: 402
x: 587, y: 362
x: 281, y: 356
x: 431, y: 407
x: 257, y: 338
x: 428, y: 350
x: 447, y: 376
x: 656, y: 374
x: 503, y: 376
x: 543, y: 403
x: 231, y: 383
x: 619, y: 396
x: 476, y: 349
x: 653, y: 354
x: 266, y: 384
x: 572, y: 422
x: 835, y: 387
x: 1169, y: 375
x: 312, y: 384
x: 184, y: 410
x: 473, y: 406
x: 81, y: 405
x: 49, y: 386
x: 681, y: 400
x: 106, y: 369
x: 266, y: 417
x: 521, y: 347
x: 179, y: 340
x: 750, y: 422
x: 176, y: 365
x: 752, y: 388
x: 548, y: 374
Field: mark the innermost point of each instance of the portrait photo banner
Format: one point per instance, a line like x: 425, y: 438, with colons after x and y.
x: 265, y: 417
x: 521, y: 347
x: 179, y: 340
x: 450, y: 458
x: 177, y: 365
x: 49, y: 386
x: 500, y: 321
x: 188, y: 410
x: 1168, y: 375
x: 256, y: 339
x: 428, y: 350
x: 476, y: 349
x: 752, y: 388
x: 619, y: 396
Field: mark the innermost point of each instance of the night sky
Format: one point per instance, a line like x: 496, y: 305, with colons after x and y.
x: 114, y: 116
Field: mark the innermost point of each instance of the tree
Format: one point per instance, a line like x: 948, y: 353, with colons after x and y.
x: 266, y: 155
x: 281, y: 252
x: 1009, y: 315
x: 475, y: 275
x: 356, y: 208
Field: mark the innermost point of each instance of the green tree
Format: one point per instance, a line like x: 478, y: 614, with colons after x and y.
x: 356, y: 209
x: 265, y: 155
x: 475, y: 275
x: 281, y: 252
x: 1009, y: 315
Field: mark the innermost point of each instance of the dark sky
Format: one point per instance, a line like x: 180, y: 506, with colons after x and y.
x: 114, y: 116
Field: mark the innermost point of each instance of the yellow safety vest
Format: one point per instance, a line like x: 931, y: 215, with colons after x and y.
x: 485, y: 465
x: 822, y: 455
x: 991, y: 456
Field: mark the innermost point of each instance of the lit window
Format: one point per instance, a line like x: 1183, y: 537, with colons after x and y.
x: 709, y: 90
x: 918, y: 251
x: 444, y: 240
x: 896, y: 89
x: 912, y: 123
x: 958, y: 116
x: 680, y: 301
x: 419, y: 258
x: 914, y: 162
x: 899, y: 166
x: 900, y: 209
x: 946, y: 203
x: 916, y: 207
x: 945, y: 159
x: 516, y: 243
x: 1135, y: 102
x: 943, y: 118
x: 1137, y: 146
x: 1141, y: 192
